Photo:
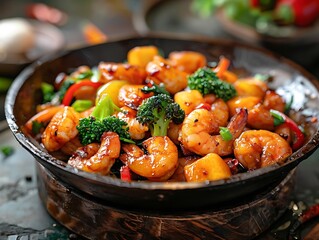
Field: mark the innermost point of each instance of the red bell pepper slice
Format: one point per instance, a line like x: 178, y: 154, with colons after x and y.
x: 125, y: 173
x: 70, y: 92
x: 282, y: 118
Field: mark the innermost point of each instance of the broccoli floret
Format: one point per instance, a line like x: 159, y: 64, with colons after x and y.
x: 205, y: 81
x: 156, y: 89
x: 157, y: 111
x: 100, y: 121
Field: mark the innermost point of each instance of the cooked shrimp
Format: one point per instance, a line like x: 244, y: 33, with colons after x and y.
x: 136, y: 130
x: 200, y: 124
x: 221, y: 112
x: 132, y: 96
x: 71, y: 146
x: 121, y: 71
x: 158, y: 164
x: 261, y: 148
x: 160, y: 71
x: 98, y: 158
x: 259, y: 117
x: 187, y: 61
x: 173, y: 132
x: 61, y: 129
x: 273, y: 100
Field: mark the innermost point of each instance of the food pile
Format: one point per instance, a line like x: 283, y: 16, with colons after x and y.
x: 156, y: 118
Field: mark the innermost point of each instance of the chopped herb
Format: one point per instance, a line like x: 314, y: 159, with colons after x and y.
x: 225, y: 133
x: 36, y: 127
x: 7, y: 150
x: 289, y: 104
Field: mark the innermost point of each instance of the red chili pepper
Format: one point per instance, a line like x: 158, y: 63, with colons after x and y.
x: 300, y: 137
x: 70, y: 92
x: 126, y: 173
x: 309, y: 214
x: 302, y: 13
x: 254, y: 3
x: 206, y: 106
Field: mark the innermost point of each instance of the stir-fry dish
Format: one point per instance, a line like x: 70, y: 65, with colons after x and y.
x: 155, y: 118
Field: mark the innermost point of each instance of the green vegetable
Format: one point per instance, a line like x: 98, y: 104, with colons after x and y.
x: 5, y: 83
x: 82, y: 105
x: 225, y: 133
x: 156, y: 89
x: 289, y: 104
x: 91, y: 128
x: 36, y: 127
x: 157, y: 112
x: 205, y: 81
x: 47, y: 91
x: 85, y: 75
x: 278, y: 118
x: 7, y: 150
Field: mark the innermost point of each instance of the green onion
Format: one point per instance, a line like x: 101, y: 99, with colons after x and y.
x: 36, y: 127
x: 278, y: 119
x: 82, y: 105
x: 225, y: 133
x: 289, y: 104
x: 85, y: 75
x: 7, y: 150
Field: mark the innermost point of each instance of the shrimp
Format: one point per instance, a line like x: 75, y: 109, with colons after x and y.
x: 259, y: 117
x: 200, y: 124
x: 121, y: 71
x: 132, y: 96
x: 221, y: 112
x: 158, y: 164
x: 136, y: 130
x: 260, y: 148
x: 61, y: 129
x: 187, y: 61
x: 98, y: 158
x: 173, y: 132
x: 160, y: 71
x: 273, y: 100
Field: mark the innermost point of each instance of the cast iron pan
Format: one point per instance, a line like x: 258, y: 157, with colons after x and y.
x: 288, y: 77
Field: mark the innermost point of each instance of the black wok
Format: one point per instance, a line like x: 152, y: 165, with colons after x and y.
x: 287, y: 77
